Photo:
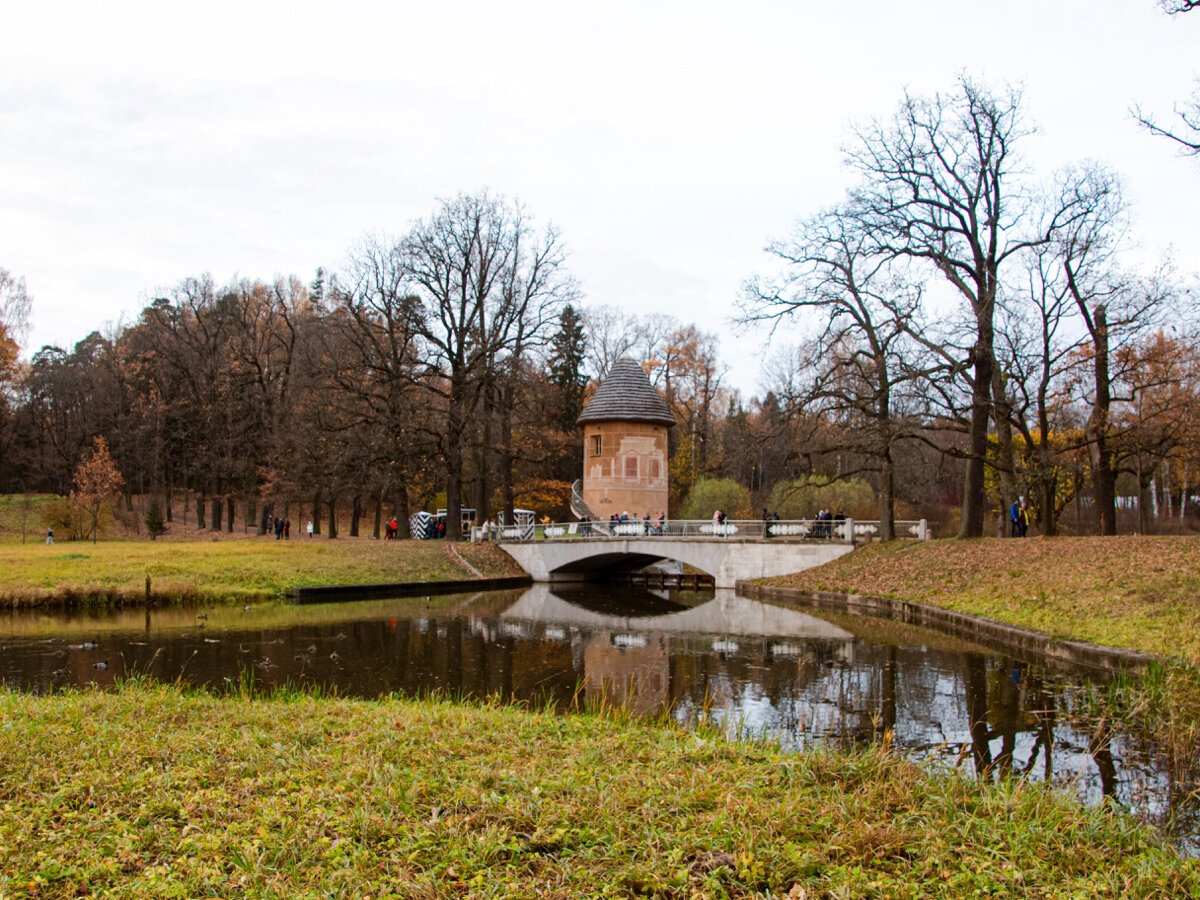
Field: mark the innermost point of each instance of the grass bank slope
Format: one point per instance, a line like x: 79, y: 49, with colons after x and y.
x: 151, y: 792
x: 1137, y: 592
x: 226, y: 571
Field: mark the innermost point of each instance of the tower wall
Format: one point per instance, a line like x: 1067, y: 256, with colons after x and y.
x: 625, y: 468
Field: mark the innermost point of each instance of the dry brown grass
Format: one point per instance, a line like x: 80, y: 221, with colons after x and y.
x: 1141, y: 592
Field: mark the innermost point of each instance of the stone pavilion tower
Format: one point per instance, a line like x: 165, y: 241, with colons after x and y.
x: 625, y: 428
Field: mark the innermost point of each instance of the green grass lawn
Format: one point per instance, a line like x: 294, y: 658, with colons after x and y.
x: 22, y: 517
x: 227, y: 570
x: 154, y: 792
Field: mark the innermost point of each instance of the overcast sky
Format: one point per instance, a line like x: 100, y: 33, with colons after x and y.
x: 141, y: 143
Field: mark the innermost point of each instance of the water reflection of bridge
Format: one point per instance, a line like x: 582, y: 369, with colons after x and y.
x: 726, y: 614
x: 626, y: 649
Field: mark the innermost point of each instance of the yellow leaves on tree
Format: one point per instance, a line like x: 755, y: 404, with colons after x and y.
x: 14, y: 320
x: 96, y: 480
x: 8, y: 356
x: 543, y: 494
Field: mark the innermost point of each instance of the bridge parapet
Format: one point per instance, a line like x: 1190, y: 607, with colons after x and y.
x: 825, y: 530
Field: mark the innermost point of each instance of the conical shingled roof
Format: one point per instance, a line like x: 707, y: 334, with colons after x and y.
x: 626, y: 395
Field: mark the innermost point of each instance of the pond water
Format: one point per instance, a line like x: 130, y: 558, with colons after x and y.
x: 792, y: 676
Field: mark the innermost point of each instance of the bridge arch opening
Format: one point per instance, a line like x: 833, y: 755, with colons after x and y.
x: 604, y: 566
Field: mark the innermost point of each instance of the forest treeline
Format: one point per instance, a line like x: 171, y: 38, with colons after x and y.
x: 957, y: 332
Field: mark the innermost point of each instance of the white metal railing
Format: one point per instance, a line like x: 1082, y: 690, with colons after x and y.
x: 845, y: 530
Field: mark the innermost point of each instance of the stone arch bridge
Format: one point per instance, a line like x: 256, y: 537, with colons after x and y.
x: 728, y: 560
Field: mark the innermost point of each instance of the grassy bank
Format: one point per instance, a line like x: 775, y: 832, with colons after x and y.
x: 1135, y: 592
x: 227, y: 571
x: 151, y: 792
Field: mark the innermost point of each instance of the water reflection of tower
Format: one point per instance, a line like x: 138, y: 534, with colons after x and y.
x: 628, y: 669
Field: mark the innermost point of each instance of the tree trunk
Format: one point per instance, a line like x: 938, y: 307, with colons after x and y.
x: 1168, y: 498
x: 200, y: 503
x: 1183, y: 494
x: 507, y: 498
x: 887, y: 500
x: 403, y: 511
x: 889, y: 692
x: 887, y: 473
x: 1005, y: 463
x: 1047, y: 477
x: 975, y: 687
x: 1104, y: 478
x: 333, y: 527
x: 215, y: 524
x: 1048, y: 485
x: 355, y: 515
x: 397, y: 504
x: 316, y: 513
x: 974, y: 496
x: 454, y: 463
x: 1145, y: 500
x: 378, y: 515
x: 1007, y: 719
x: 482, y: 469
x: 230, y: 514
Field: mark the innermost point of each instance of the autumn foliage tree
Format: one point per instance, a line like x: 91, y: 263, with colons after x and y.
x: 97, y: 480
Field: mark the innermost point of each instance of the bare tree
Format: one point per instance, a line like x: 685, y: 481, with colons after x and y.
x: 1040, y: 348
x: 862, y: 356
x: 1115, y: 308
x: 378, y: 318
x: 937, y: 189
x: 535, y: 289
x: 1186, y: 132
x: 611, y: 335
x: 487, y: 287
x: 1047, y: 330
x: 657, y: 347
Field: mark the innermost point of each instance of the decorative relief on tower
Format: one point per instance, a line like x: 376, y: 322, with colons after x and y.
x: 639, y: 464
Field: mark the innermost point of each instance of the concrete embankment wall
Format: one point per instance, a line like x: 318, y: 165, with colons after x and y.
x: 1009, y: 639
x: 338, y: 592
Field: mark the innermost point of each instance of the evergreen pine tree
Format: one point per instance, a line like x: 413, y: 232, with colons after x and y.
x: 154, y: 519
x: 566, y: 365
